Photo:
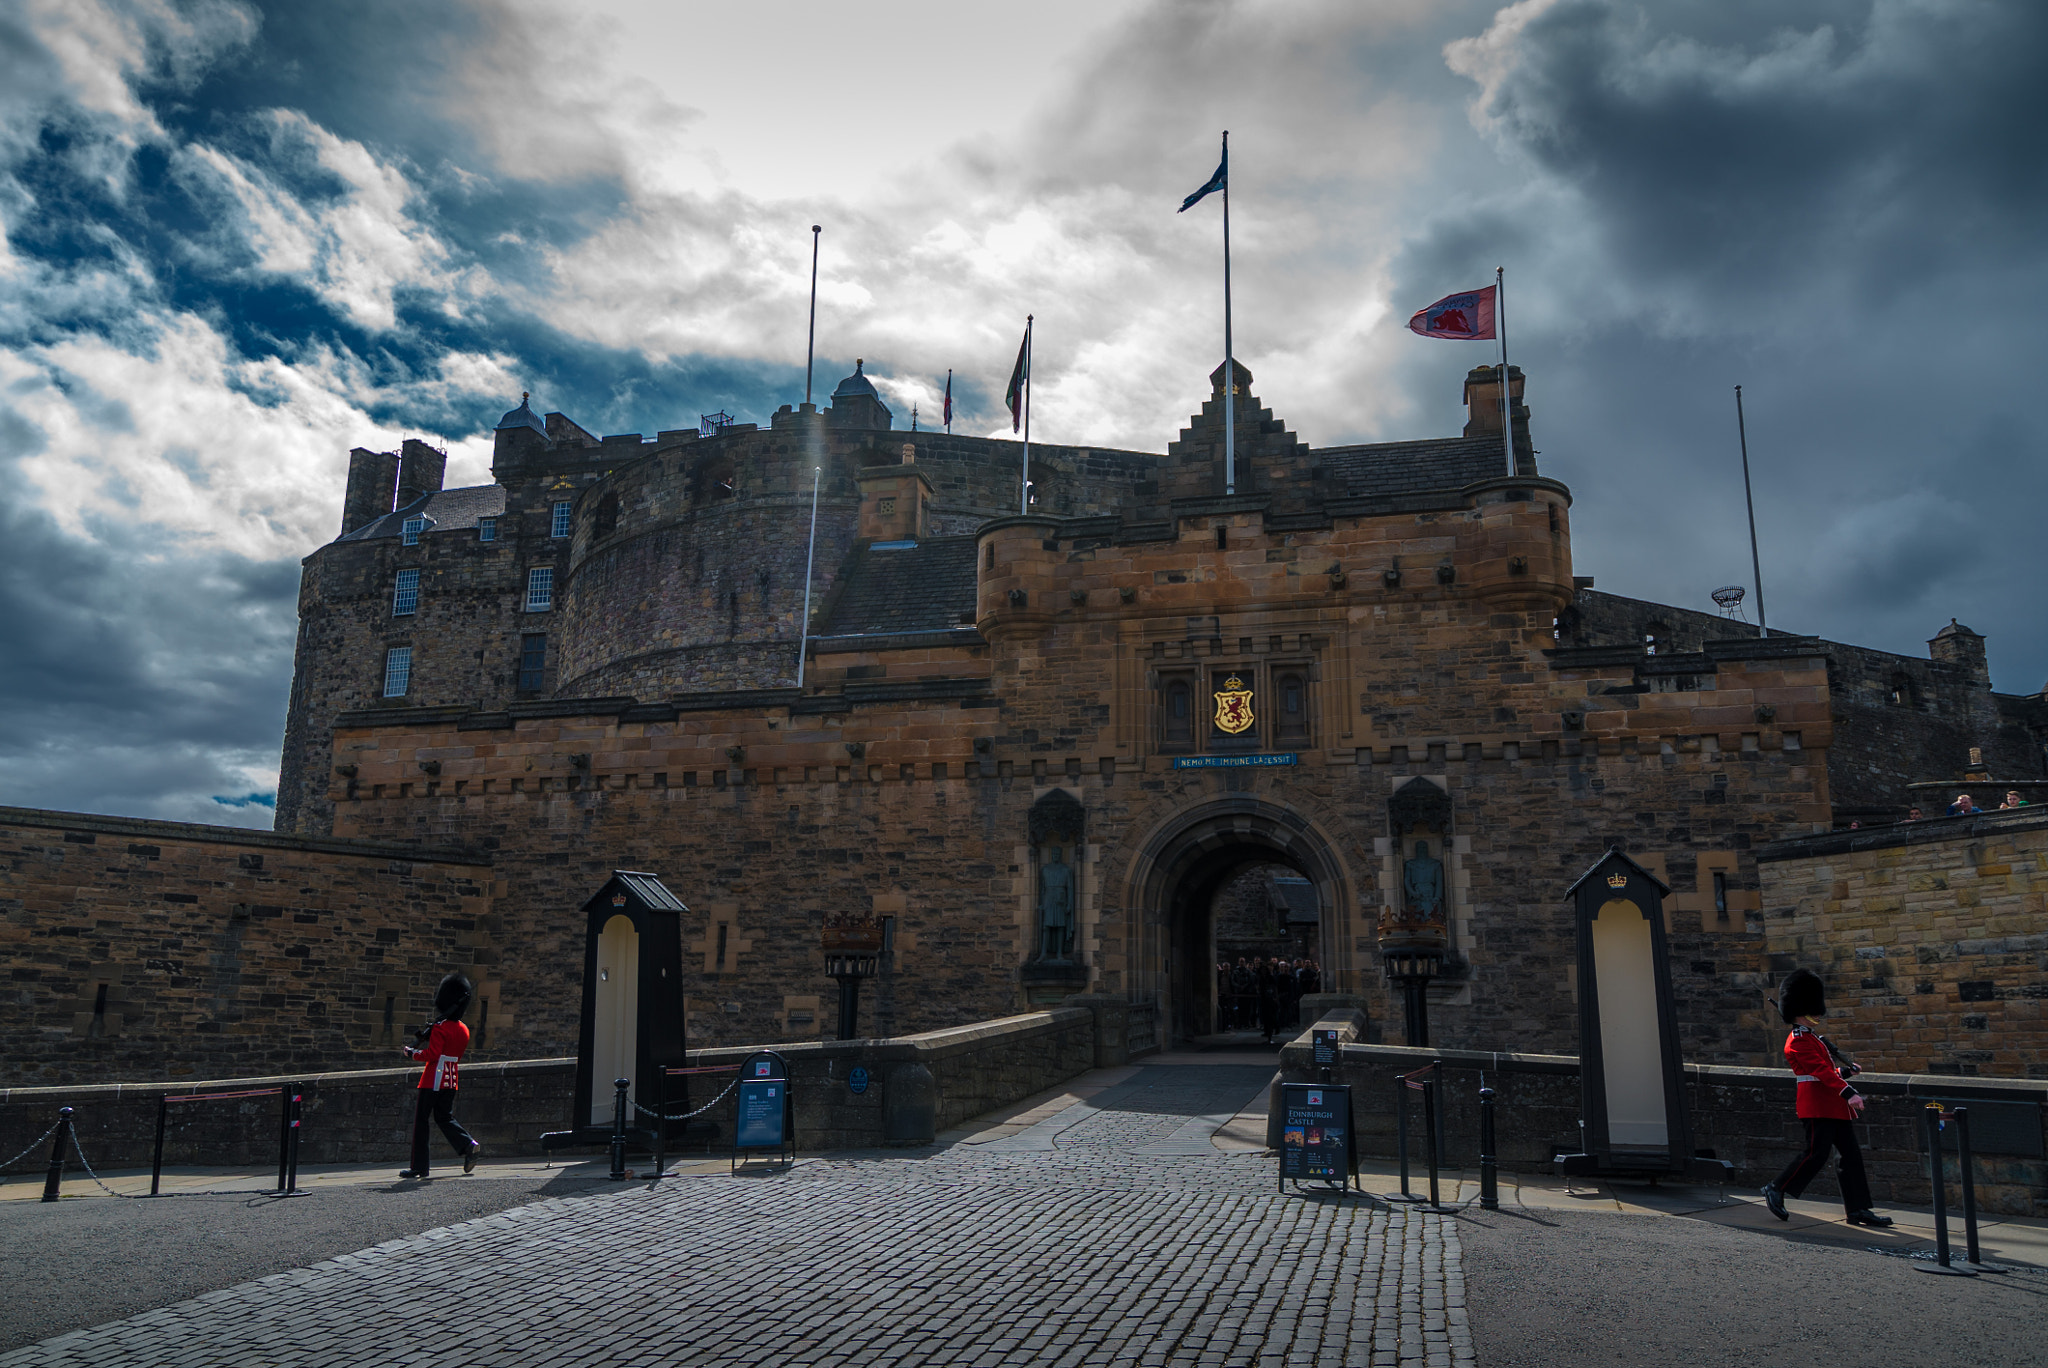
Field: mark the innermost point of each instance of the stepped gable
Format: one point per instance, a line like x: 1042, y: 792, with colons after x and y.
x: 1386, y: 468
x: 928, y: 587
x: 1266, y: 450
x: 444, y: 509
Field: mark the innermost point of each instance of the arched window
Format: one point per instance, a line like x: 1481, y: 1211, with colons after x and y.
x: 1293, y: 719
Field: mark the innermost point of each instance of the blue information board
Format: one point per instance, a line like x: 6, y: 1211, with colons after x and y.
x: 858, y: 1079
x: 758, y: 1124
x: 1316, y: 1139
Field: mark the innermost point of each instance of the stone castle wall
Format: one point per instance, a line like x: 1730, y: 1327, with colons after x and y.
x: 1932, y: 937
x: 141, y: 949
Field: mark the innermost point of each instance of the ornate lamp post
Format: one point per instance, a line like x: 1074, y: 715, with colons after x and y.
x: 1412, y: 967
x: 853, y: 951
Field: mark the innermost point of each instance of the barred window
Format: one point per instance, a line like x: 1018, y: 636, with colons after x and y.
x: 397, y: 671
x: 405, y: 594
x: 412, y: 527
x: 540, y: 588
x: 486, y: 529
x: 533, y: 660
x: 560, y: 526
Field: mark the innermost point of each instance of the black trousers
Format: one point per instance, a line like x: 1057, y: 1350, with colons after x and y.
x: 1823, y: 1134
x: 438, y: 1105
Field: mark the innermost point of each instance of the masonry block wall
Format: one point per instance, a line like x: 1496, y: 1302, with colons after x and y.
x: 147, y: 950
x: 1933, y: 939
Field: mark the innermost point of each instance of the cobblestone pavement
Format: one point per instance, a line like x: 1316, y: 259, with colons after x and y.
x: 1094, y: 1237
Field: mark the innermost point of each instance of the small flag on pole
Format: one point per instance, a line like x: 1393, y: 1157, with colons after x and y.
x: 1019, y: 377
x: 949, y: 401
x: 1216, y: 182
x: 1466, y: 317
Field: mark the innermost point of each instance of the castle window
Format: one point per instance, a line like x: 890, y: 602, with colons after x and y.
x: 1720, y: 897
x: 1293, y: 719
x: 559, y: 526
x: 410, y: 530
x: 1179, y: 721
x: 486, y: 529
x: 533, y: 659
x: 397, y: 671
x: 540, y: 588
x: 405, y: 594
x: 1903, y: 692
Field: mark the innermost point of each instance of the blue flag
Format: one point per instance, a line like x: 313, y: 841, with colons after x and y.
x: 1217, y: 182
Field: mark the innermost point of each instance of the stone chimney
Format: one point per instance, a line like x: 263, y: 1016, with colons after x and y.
x: 421, y: 469
x: 1482, y: 411
x: 892, y: 502
x: 372, y: 476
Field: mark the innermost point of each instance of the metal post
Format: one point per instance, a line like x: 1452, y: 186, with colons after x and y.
x: 1489, y: 1181
x: 811, y: 345
x: 1229, y: 351
x: 156, y: 1160
x: 55, y: 1177
x: 284, y: 1135
x: 1429, y: 1130
x: 1971, y: 1256
x: 660, y: 1120
x: 1756, y: 571
x: 803, y: 629
x: 1942, y: 1262
x: 619, y: 1130
x: 291, y: 1177
x: 1401, y: 1113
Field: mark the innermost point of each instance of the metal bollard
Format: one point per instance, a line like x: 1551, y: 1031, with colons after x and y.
x: 619, y: 1130
x: 284, y: 1135
x: 291, y: 1177
x: 1941, y: 1262
x: 1401, y: 1138
x: 55, y: 1177
x: 1429, y: 1131
x: 1970, y: 1254
x: 1489, y: 1181
x: 156, y: 1157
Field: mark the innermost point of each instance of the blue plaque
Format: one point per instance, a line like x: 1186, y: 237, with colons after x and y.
x: 758, y: 1124
x: 858, y: 1079
x: 1234, y: 761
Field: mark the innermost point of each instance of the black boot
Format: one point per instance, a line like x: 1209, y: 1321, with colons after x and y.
x: 1867, y: 1217
x: 1775, y: 1200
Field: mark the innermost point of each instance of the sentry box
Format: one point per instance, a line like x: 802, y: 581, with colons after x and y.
x: 632, y: 1019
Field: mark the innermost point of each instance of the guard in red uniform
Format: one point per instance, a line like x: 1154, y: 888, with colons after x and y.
x: 1828, y: 1105
x: 442, y: 1046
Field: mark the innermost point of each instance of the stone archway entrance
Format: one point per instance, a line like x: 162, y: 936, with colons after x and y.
x: 1176, y: 877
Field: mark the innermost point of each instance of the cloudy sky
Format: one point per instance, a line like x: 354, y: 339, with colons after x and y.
x: 240, y: 238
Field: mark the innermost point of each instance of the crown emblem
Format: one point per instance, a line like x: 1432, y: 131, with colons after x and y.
x: 1617, y: 880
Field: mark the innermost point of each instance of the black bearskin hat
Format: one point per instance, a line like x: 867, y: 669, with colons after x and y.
x: 451, y: 999
x: 1802, y: 995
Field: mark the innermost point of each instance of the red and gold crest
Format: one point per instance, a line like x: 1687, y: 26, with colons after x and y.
x: 1233, y: 706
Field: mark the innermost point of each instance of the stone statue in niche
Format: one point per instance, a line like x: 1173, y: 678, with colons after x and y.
x: 1056, y: 825
x: 1422, y: 885
x: 1055, y: 908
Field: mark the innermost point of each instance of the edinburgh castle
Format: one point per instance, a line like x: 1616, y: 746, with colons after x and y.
x: 1166, y: 691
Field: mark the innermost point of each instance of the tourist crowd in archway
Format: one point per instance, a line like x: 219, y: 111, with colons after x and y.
x: 1263, y: 994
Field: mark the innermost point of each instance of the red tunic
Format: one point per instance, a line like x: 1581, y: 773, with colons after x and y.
x: 444, y: 1049
x: 1822, y: 1090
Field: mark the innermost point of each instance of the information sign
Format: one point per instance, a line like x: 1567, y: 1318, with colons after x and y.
x: 1316, y: 1138
x: 857, y: 1079
x: 759, y: 1121
x: 1325, y: 1044
x: 1181, y: 762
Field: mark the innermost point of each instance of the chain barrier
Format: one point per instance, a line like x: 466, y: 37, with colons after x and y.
x: 645, y: 1111
x: 80, y: 1151
x: 33, y: 1145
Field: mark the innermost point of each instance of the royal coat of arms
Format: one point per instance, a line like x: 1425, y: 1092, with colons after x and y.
x: 1233, y: 707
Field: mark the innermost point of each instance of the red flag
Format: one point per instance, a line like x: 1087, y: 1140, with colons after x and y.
x: 1018, y: 379
x: 1466, y: 317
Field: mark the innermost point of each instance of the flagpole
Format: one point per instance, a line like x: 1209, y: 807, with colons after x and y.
x: 1507, y: 402
x: 1756, y: 569
x: 1024, y: 489
x: 803, y: 628
x: 811, y: 346
x: 1229, y: 358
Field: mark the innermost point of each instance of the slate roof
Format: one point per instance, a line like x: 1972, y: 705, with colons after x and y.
x: 1412, y: 467
x: 650, y: 890
x: 922, y: 588
x: 1299, y: 895
x: 444, y: 509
